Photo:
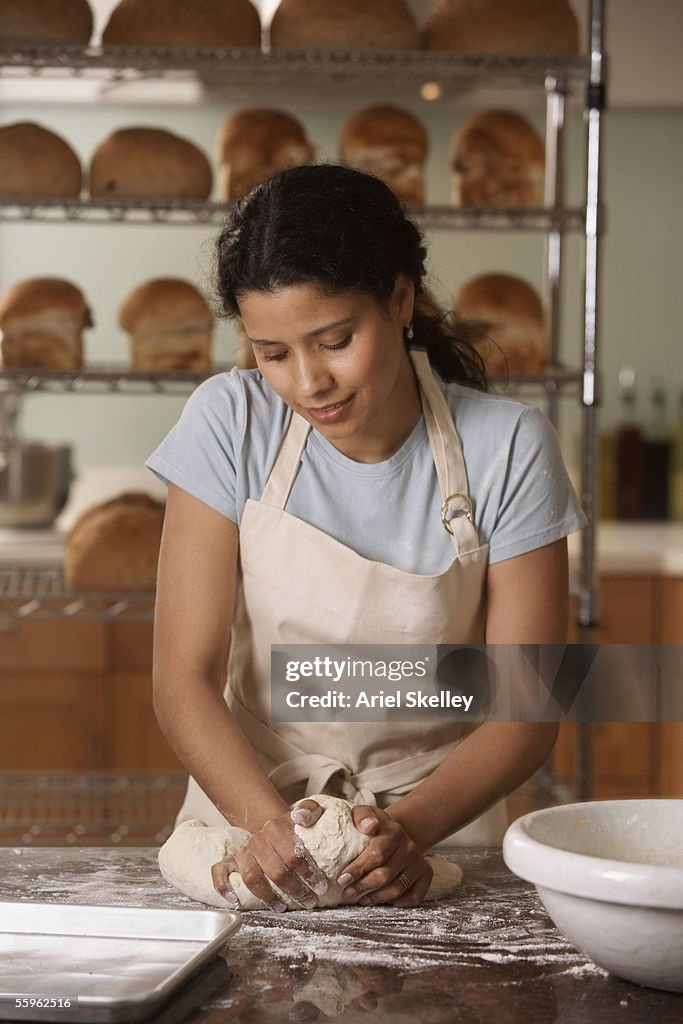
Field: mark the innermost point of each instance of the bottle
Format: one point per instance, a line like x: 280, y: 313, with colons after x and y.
x: 656, y: 457
x: 676, y: 474
x: 629, y: 451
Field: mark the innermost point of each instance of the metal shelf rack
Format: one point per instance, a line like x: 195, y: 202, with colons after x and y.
x: 176, y: 212
x: 39, y: 593
x: 259, y: 69
x: 241, y: 71
x: 105, y: 378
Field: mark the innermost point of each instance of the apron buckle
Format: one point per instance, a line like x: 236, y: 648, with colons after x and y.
x: 444, y: 509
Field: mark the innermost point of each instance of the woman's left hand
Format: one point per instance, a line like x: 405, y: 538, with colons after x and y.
x: 391, y: 869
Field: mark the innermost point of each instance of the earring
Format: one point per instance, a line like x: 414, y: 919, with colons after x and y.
x: 410, y: 333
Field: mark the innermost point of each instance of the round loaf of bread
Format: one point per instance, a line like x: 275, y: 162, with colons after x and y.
x: 344, y: 25
x: 254, y: 144
x: 42, y: 320
x: 497, y: 159
x: 45, y: 21
x: 149, y: 163
x: 212, y: 23
x: 37, y: 162
x: 391, y: 144
x: 509, y: 314
x: 502, y: 26
x: 169, y: 324
x: 114, y: 546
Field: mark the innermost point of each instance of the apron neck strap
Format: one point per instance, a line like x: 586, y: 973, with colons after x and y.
x: 456, y: 511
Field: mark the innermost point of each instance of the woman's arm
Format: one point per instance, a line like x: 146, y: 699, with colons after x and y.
x: 192, y: 623
x: 527, y: 602
x: 194, y: 609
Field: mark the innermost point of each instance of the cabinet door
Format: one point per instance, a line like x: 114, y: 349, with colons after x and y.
x: 670, y: 746
x: 51, y: 721
x: 624, y: 759
x: 135, y: 740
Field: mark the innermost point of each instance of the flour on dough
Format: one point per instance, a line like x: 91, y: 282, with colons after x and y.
x: 186, y: 858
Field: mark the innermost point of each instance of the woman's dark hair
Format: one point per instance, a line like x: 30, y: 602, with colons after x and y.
x: 340, y: 230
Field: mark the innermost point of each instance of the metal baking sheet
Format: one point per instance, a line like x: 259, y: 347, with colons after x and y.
x: 120, y: 962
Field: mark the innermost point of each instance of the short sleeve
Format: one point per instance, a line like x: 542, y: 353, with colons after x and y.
x: 538, y: 503
x: 199, y: 454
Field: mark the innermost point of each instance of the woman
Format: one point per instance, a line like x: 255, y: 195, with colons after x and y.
x: 305, y: 506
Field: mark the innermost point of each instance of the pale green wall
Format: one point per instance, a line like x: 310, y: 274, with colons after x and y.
x: 642, y: 285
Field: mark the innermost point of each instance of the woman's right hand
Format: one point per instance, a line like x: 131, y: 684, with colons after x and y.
x: 276, y: 852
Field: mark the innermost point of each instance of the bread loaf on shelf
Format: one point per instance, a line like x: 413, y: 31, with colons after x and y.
x: 149, y: 163
x: 497, y: 159
x: 48, y: 22
x: 37, y: 162
x: 509, y: 312
x: 390, y: 143
x: 344, y: 25
x: 169, y: 324
x: 183, y: 23
x: 253, y: 144
x: 42, y: 321
x: 114, y: 546
x: 502, y: 26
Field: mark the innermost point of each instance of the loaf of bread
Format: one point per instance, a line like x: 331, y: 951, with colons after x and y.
x: 344, y: 25
x: 114, y: 546
x: 149, y: 163
x: 509, y: 314
x: 186, y: 23
x: 390, y: 143
x: 45, y: 22
x: 169, y: 324
x: 253, y: 144
x: 502, y: 26
x: 37, y: 162
x: 42, y: 321
x: 497, y: 159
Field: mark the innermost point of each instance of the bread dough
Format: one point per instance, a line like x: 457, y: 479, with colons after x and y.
x: 186, y: 858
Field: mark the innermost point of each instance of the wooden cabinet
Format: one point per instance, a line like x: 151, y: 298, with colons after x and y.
x: 78, y: 695
x: 632, y: 759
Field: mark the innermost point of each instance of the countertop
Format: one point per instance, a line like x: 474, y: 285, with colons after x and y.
x: 489, y: 954
x: 637, y: 549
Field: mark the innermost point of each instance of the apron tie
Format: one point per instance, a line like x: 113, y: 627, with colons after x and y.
x: 317, y: 770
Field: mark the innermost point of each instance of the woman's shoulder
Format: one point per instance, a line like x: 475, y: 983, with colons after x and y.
x: 483, y: 414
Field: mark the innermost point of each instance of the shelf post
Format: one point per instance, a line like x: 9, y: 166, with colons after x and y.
x: 554, y: 198
x: 587, y: 618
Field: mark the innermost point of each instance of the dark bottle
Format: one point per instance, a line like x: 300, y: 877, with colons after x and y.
x: 629, y: 451
x: 656, y: 459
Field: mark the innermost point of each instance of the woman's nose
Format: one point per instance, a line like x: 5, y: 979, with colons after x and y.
x: 313, y: 377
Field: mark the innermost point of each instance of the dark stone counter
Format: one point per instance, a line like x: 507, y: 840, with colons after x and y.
x: 489, y: 954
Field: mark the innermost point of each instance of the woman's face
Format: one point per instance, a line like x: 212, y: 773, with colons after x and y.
x: 340, y: 362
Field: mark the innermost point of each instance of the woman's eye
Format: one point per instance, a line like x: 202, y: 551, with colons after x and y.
x: 274, y: 359
x: 340, y: 344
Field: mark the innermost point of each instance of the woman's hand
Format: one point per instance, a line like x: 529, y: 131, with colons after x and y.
x: 276, y: 852
x: 391, y: 869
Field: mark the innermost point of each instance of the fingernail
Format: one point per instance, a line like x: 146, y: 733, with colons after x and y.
x: 320, y: 886
x: 302, y: 816
x: 344, y: 879
x: 367, y: 823
x: 308, y: 902
x: 278, y: 907
x: 349, y: 893
x: 365, y: 902
x: 230, y: 895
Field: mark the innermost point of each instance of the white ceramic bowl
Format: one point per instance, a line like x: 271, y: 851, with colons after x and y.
x: 610, y: 874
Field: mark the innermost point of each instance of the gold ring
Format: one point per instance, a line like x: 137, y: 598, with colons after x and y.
x: 403, y: 879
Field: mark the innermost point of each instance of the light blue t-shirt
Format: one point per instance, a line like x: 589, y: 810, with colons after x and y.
x: 223, y: 447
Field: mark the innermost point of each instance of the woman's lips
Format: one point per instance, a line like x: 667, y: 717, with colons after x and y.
x: 330, y: 413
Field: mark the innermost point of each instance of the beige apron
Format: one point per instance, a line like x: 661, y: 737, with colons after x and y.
x: 298, y: 585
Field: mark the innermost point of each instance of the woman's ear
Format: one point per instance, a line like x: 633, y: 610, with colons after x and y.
x: 403, y: 300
